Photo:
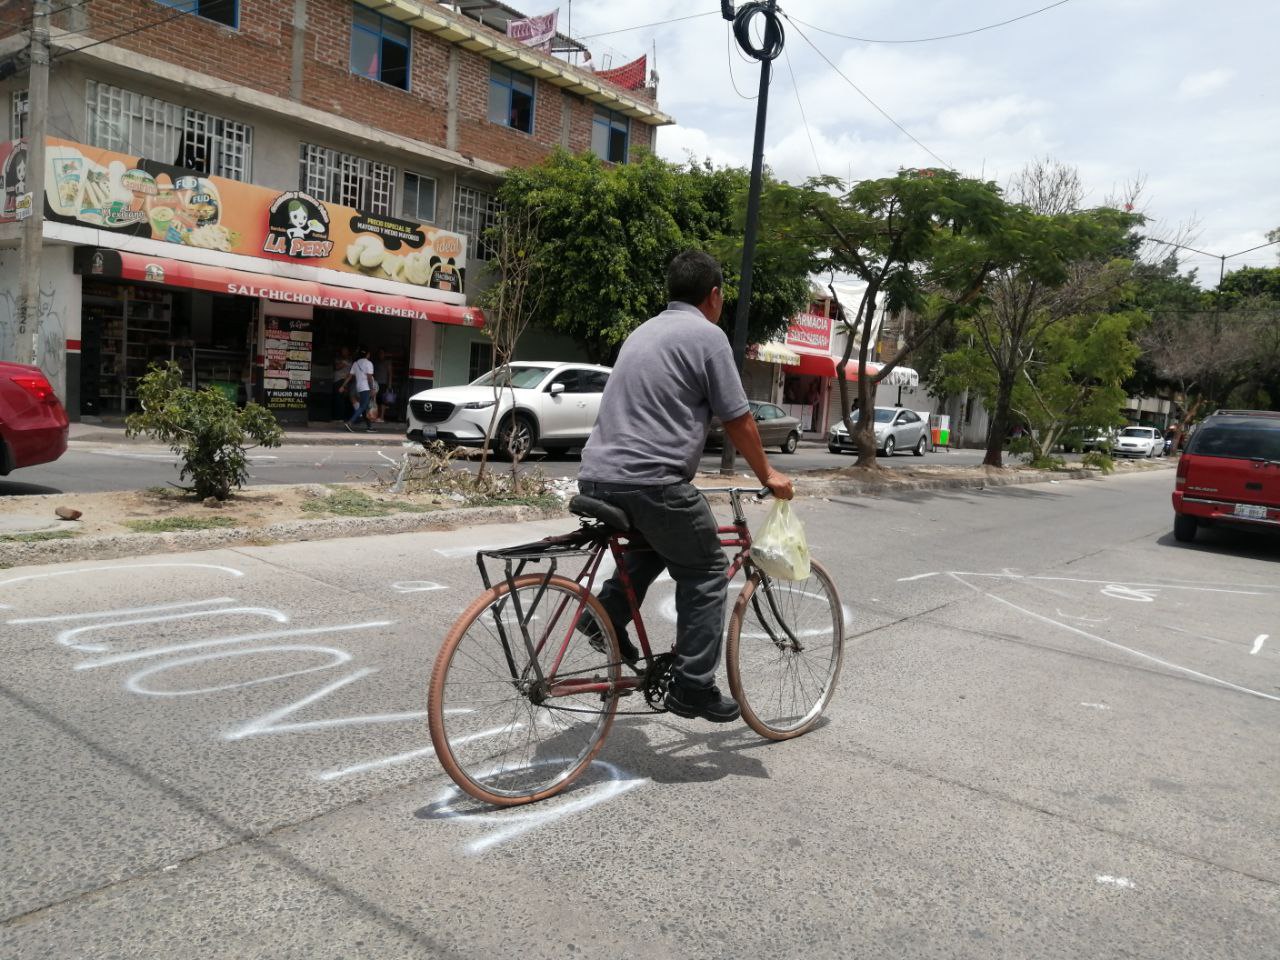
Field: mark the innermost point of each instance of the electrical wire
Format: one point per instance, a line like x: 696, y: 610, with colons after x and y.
x: 867, y: 98
x: 799, y: 103
x: 642, y: 26
x: 945, y: 36
x: 728, y: 53
x: 774, y: 36
x: 126, y: 33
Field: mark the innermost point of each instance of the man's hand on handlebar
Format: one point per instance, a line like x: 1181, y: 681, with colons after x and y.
x: 779, y: 485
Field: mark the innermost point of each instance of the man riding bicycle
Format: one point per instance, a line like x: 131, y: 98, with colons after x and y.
x: 673, y: 374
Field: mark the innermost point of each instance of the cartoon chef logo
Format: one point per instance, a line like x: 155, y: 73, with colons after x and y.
x: 298, y: 226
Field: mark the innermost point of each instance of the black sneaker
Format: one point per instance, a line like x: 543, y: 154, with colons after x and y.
x: 347, y: 424
x: 595, y: 639
x: 709, y: 704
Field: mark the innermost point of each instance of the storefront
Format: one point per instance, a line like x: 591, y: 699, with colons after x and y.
x: 254, y: 292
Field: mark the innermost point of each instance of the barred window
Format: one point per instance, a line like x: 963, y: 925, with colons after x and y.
x: 346, y: 179
x: 474, y: 212
x: 130, y: 122
x: 18, y: 115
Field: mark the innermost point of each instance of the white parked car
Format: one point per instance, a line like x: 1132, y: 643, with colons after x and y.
x: 1138, y: 442
x: 549, y: 405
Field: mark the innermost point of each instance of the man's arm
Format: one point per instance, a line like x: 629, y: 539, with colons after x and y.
x: 742, y: 431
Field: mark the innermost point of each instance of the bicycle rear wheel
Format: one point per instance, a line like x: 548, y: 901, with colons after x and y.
x: 784, y: 651
x: 494, y: 733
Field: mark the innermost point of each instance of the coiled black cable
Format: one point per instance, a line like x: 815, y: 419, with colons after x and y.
x: 774, y: 36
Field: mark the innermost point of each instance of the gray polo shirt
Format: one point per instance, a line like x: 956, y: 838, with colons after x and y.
x: 673, y: 374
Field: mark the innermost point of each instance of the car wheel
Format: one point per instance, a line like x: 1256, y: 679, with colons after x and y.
x: 1184, y: 527
x: 888, y: 446
x: 919, y: 450
x: 515, y: 438
x: 833, y: 449
x: 789, y: 445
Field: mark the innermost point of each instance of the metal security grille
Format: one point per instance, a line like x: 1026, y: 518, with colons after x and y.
x: 130, y: 122
x: 349, y: 180
x: 18, y: 120
x: 474, y: 211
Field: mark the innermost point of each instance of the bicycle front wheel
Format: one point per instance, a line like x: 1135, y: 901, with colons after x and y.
x: 784, y: 651
x: 504, y: 738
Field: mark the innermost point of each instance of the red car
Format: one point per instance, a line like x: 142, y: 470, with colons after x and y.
x: 33, y: 425
x: 1229, y: 473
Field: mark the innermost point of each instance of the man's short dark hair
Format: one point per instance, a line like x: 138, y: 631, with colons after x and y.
x: 691, y: 277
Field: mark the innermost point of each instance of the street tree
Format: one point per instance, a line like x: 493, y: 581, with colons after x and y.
x: 923, y: 241
x: 1066, y: 265
x: 606, y: 233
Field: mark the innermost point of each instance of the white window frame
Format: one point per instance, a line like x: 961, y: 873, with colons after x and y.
x: 474, y: 211
x: 128, y: 122
x: 336, y: 177
x: 18, y: 103
x: 435, y: 196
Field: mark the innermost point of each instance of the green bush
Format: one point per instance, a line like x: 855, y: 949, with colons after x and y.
x: 204, y: 428
x: 1100, y: 459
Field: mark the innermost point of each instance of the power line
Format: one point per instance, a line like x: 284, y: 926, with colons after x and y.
x: 126, y: 33
x: 867, y: 98
x: 799, y: 103
x: 642, y: 26
x: 728, y: 52
x: 945, y: 36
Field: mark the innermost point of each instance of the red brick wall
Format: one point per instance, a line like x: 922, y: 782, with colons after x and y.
x: 260, y: 54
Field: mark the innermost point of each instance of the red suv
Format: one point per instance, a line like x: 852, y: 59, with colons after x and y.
x: 1230, y: 472
x: 33, y: 425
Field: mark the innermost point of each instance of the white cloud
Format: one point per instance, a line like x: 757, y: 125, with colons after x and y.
x: 1204, y: 83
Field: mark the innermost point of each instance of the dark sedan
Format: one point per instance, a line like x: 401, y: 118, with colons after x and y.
x: 777, y: 428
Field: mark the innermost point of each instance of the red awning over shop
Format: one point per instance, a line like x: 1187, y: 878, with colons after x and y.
x: 824, y: 365
x: 137, y: 267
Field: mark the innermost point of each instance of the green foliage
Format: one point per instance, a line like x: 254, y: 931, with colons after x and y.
x: 605, y: 235
x: 1099, y: 460
x: 37, y: 537
x: 175, y: 524
x: 202, y: 427
x: 349, y: 502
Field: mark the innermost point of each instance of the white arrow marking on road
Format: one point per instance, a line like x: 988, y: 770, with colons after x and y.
x: 1118, y: 591
x: 1257, y: 644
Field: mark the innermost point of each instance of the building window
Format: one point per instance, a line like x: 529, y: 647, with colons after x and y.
x: 380, y: 48
x: 609, y: 131
x: 351, y: 181
x: 419, y: 202
x: 474, y: 212
x: 226, y: 12
x: 510, y: 98
x: 18, y: 116
x: 129, y: 122
x: 481, y: 360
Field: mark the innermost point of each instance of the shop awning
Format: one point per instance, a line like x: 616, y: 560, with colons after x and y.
x: 773, y: 352
x: 824, y: 365
x: 902, y: 377
x: 140, y: 268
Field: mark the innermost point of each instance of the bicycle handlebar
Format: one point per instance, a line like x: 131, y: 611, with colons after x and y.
x: 759, y: 494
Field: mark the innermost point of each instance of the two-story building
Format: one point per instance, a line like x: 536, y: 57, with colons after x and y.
x: 250, y: 186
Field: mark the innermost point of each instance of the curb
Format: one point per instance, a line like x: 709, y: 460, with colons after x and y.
x: 291, y: 440
x: 115, y: 546
x: 875, y: 487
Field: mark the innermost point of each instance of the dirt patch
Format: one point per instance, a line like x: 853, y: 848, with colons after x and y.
x: 913, y: 476
x: 161, y: 509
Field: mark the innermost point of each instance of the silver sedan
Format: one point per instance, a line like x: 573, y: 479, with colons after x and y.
x: 896, y: 429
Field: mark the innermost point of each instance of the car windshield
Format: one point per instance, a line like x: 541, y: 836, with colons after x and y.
x: 1240, y: 439
x: 882, y: 416
x: 1143, y: 432
x: 522, y: 378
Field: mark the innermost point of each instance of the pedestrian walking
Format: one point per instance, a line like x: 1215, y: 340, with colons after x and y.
x: 362, y: 374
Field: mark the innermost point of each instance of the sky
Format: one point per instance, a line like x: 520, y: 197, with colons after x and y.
x: 1184, y: 95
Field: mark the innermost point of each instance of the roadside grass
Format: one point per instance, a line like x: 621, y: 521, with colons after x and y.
x: 39, y: 537
x: 178, y: 524
x: 346, y: 502
x: 543, y: 500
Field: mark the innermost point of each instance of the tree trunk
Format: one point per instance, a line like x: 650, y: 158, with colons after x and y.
x: 866, y: 435
x: 999, y: 424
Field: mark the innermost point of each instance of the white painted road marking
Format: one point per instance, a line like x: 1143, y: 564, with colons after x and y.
x: 918, y: 576
x: 124, y: 613
x: 1123, y: 882
x: 1257, y: 644
x: 123, y: 566
x: 1096, y: 706
x: 417, y: 586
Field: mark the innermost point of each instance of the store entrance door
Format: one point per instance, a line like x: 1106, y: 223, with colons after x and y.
x: 339, y: 332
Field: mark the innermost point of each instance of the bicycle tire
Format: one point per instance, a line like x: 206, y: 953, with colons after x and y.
x: 456, y: 722
x: 805, y: 680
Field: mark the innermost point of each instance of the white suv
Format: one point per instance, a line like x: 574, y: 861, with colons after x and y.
x: 549, y: 405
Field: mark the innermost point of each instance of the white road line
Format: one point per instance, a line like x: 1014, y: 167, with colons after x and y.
x: 1257, y: 644
x: 454, y: 552
x: 1095, y: 706
x: 918, y: 576
x: 1157, y: 586
x: 1116, y: 646
x: 125, y: 612
x: 123, y: 566
x: 1123, y: 882
x: 412, y: 754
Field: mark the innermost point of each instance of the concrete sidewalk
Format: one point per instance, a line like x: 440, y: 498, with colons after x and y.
x: 321, y: 434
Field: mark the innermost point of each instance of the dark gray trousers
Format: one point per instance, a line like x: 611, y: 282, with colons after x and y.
x: 680, y: 529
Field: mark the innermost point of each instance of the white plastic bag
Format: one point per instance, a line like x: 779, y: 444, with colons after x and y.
x: 781, y: 550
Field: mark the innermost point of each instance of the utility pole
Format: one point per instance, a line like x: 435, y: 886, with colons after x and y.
x: 27, y: 348
x: 770, y: 49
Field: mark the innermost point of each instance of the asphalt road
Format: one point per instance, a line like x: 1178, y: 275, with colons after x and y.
x: 89, y: 467
x: 1055, y: 737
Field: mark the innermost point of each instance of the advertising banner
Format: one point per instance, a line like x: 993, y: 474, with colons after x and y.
x: 535, y: 31
x: 810, y: 331
x: 136, y: 197
x: 286, y: 376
